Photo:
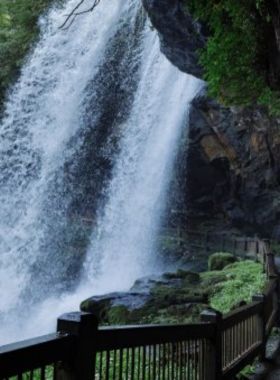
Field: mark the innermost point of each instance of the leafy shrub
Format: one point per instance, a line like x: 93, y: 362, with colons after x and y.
x: 235, y: 58
x: 18, y: 31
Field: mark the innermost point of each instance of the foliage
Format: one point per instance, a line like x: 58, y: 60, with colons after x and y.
x: 18, y: 31
x: 244, y: 279
x: 235, y: 58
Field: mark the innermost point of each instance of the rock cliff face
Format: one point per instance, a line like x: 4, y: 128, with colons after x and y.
x: 180, y: 35
x: 234, y: 167
x: 233, y: 155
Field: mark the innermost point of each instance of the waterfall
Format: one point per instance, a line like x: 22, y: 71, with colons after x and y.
x: 92, y: 126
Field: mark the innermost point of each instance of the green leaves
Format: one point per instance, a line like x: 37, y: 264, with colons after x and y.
x: 18, y: 30
x: 235, y: 57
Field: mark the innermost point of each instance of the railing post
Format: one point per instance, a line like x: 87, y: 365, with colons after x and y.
x: 206, y: 242
x: 234, y: 246
x: 245, y: 247
x: 262, y: 299
x: 272, y: 271
x: 82, y: 326
x: 273, y: 274
x: 222, y: 243
x: 214, y: 358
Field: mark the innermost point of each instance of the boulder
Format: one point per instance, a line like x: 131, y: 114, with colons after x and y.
x: 149, y: 298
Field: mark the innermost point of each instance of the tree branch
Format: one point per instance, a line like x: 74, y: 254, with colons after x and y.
x: 74, y: 13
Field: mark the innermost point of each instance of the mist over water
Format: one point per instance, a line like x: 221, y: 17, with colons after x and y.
x: 98, y: 90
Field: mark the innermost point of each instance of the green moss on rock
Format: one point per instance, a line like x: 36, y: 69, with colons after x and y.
x: 118, y: 315
x: 219, y: 260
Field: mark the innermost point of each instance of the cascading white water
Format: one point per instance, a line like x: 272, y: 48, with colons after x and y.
x: 59, y: 100
x: 125, y: 238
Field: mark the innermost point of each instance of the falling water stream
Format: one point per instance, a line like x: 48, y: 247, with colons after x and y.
x: 92, y: 126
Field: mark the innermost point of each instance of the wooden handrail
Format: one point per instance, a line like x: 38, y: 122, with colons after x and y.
x: 118, y: 337
x: 21, y: 357
x: 241, y: 314
x: 216, y: 348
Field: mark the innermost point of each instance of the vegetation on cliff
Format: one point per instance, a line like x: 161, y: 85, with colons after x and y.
x: 18, y: 31
x: 235, y: 60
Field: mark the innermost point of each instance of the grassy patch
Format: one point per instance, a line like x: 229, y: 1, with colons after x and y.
x: 243, y: 279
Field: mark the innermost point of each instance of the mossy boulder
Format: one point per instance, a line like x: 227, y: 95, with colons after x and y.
x: 219, y: 260
x: 151, y: 299
x: 181, y: 274
x: 178, y: 297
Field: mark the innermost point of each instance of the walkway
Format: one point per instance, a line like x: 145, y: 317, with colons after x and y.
x: 270, y: 369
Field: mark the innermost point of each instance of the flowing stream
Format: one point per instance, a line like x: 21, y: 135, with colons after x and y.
x: 87, y: 144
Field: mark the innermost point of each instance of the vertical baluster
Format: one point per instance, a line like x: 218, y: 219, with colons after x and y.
x: 254, y: 329
x: 225, y: 335
x: 232, y: 344
x: 229, y: 346
x: 132, y: 368
x: 235, y: 341
x: 169, y: 361
x: 240, y: 338
x: 121, y: 364
x: 43, y: 373
x: 107, y: 365
x: 101, y: 365
x: 180, y: 360
x: 183, y: 360
x: 224, y: 348
x: 196, y: 363
x: 144, y: 362
x: 201, y: 360
x: 127, y: 364
x: 150, y: 362
x: 243, y: 336
x: 188, y: 361
x: 31, y: 375
x: 139, y: 363
x: 114, y: 364
x: 163, y: 362
x: 154, y: 361
x: 176, y: 361
x: 160, y: 367
x: 250, y: 332
x: 249, y: 329
x: 172, y: 361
